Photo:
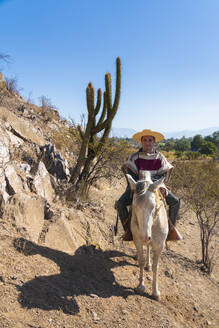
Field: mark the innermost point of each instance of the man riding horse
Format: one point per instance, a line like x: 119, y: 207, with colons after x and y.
x: 147, y: 158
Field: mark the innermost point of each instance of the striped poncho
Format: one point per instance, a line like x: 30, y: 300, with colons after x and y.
x: 156, y: 163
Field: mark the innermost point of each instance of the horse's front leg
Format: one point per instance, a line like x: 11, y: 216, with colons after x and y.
x: 141, y: 262
x: 155, y: 290
x: 148, y: 259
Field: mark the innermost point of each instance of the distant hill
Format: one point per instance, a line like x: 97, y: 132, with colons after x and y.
x: 191, y: 133
x: 128, y: 133
x: 122, y: 132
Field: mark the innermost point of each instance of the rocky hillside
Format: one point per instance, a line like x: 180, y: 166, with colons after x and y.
x: 61, y: 266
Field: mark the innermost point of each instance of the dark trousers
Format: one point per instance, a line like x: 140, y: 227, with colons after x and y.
x: 121, y: 206
x: 126, y: 200
x: 174, y: 204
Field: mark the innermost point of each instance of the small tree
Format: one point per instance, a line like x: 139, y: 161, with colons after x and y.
x: 197, y: 183
x: 11, y: 85
x: 208, y: 148
x: 216, y: 138
x: 213, y: 138
x: 4, y: 58
x: 107, y: 163
x: 196, y: 142
x: 182, y: 144
x: 46, y: 104
x: 96, y: 132
x: 169, y: 144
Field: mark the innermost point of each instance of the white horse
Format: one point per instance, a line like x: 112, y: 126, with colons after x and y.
x: 149, y: 225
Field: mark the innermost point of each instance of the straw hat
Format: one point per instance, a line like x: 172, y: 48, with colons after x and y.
x: 157, y: 135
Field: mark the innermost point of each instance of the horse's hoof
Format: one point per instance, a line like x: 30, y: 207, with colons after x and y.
x: 140, y: 289
x: 148, y: 268
x: 156, y: 297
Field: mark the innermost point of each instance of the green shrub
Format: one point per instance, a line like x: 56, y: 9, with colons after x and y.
x: 193, y: 155
x: 208, y: 148
x: 182, y: 144
x: 179, y: 154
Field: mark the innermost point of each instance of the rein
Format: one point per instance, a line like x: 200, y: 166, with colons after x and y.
x: 159, y: 197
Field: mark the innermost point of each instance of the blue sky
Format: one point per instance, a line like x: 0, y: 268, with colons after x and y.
x: 169, y: 51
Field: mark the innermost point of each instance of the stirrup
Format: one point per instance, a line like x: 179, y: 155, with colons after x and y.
x: 127, y: 236
x: 173, y: 234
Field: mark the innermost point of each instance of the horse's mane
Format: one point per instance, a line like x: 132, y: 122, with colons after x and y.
x: 142, y: 187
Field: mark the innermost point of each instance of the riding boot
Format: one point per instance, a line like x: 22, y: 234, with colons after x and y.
x: 174, y: 205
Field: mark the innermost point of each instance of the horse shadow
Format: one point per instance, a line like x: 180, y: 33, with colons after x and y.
x: 182, y: 260
x: 88, y: 272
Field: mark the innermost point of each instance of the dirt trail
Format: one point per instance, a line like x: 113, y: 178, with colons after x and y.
x: 44, y: 288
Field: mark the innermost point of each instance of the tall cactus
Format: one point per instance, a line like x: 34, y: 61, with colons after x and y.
x: 91, y: 145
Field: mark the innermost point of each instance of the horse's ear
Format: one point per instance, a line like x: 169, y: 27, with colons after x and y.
x: 156, y: 184
x: 131, y: 182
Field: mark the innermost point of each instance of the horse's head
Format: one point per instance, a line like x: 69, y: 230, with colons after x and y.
x: 144, y: 203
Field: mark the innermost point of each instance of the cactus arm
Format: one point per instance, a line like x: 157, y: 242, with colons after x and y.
x: 103, y: 114
x: 98, y: 104
x: 108, y: 90
x: 118, y: 84
x: 111, y: 110
x: 90, y: 98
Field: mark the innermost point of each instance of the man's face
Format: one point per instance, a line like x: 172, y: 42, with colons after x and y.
x: 147, y: 143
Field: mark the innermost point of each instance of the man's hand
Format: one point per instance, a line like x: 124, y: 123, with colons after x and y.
x: 163, y: 191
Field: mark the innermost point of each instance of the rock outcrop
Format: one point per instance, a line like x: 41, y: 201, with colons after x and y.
x: 42, y: 183
x: 33, y: 180
x: 26, y: 211
x: 21, y: 127
x: 54, y: 162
